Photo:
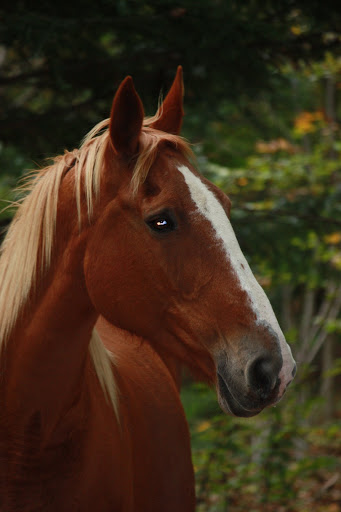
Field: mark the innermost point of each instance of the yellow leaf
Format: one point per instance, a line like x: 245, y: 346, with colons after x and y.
x: 305, y: 122
x: 333, y: 238
x: 274, y: 146
x: 242, y: 182
x: 204, y: 425
x: 296, y: 30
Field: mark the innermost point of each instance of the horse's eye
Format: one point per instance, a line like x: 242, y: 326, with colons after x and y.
x: 162, y: 223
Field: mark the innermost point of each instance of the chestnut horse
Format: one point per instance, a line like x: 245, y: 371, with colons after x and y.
x: 127, y: 229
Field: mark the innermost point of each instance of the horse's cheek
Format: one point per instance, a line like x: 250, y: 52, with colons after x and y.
x: 103, y: 274
x: 118, y: 287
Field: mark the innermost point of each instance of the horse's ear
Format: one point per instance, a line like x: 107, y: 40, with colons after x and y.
x: 126, y: 119
x: 170, y: 114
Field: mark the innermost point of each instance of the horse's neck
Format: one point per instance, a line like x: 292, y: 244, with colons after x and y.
x: 47, y: 353
x: 116, y: 339
x: 174, y: 366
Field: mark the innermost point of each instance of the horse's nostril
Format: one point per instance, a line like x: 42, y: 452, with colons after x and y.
x: 262, y: 375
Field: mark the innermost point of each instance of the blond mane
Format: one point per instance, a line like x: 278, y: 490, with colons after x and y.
x: 31, y: 234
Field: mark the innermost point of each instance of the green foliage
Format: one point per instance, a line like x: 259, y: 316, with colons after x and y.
x: 61, y: 62
x: 261, y: 463
x: 12, y: 165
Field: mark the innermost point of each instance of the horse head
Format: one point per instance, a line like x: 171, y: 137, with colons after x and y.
x: 162, y: 260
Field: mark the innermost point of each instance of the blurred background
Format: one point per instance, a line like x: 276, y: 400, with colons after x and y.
x: 263, y: 111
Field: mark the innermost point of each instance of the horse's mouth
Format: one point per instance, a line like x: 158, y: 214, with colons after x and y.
x: 229, y: 403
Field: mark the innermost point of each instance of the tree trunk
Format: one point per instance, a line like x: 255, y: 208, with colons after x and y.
x: 327, y: 383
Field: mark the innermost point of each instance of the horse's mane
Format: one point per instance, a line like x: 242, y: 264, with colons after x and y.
x: 31, y: 233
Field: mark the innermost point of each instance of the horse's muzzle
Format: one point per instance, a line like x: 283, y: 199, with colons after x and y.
x: 246, y: 392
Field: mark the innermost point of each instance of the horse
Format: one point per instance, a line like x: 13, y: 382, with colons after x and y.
x: 121, y: 266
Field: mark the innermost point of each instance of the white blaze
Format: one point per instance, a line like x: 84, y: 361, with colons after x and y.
x: 209, y: 206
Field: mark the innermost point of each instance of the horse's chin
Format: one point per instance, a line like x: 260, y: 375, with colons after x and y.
x: 230, y: 404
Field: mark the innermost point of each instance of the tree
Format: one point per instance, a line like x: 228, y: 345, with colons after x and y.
x: 60, y: 63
